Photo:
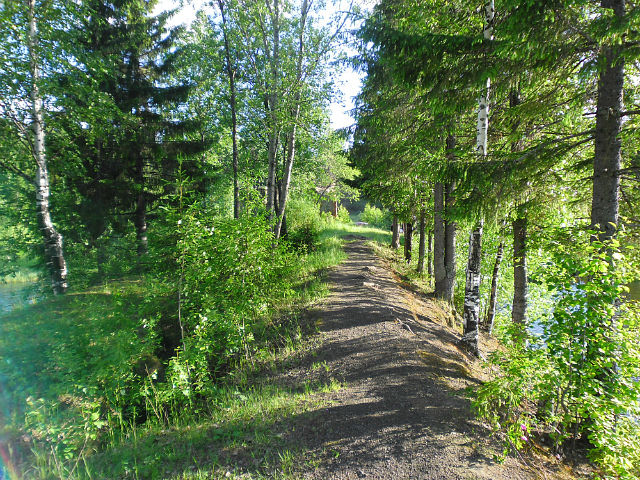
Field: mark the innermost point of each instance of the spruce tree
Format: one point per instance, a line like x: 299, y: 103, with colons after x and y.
x: 118, y: 108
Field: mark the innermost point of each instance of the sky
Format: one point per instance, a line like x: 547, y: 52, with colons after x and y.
x: 347, y: 82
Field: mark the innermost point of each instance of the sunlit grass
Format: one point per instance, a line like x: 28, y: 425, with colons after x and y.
x: 339, y: 229
x: 69, y: 361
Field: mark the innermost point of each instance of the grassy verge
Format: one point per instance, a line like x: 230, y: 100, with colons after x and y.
x: 78, y: 387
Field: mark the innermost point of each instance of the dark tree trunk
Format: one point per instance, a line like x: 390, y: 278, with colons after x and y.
x: 231, y: 73
x: 449, y: 246
x: 519, y: 310
x: 408, y: 240
x: 53, y: 251
x: 439, y: 240
x: 607, y: 159
x: 422, y: 242
x: 493, y: 298
x: 429, y: 250
x: 444, y: 243
x: 471, y: 310
x: 395, y: 233
x: 335, y: 209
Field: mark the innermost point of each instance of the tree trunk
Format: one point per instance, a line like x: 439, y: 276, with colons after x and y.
x: 493, y: 298
x: 140, y: 222
x: 231, y: 73
x: 471, y: 311
x: 449, y: 246
x: 395, y: 233
x: 519, y: 310
x: 444, y: 240
x: 483, y: 100
x: 286, y: 178
x: 284, y: 230
x: 429, y: 250
x: 408, y: 240
x: 472, y: 292
x: 53, y: 251
x: 607, y: 159
x: 423, y: 241
x: 439, y: 240
x: 273, y: 104
x: 291, y: 147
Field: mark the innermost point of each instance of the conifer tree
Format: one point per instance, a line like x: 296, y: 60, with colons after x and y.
x: 127, y: 148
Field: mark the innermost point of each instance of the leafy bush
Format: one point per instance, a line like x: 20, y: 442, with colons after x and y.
x: 580, y: 378
x: 305, y: 222
x: 376, y: 217
x: 343, y: 215
x: 231, y: 271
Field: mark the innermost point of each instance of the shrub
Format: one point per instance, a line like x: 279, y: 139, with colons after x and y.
x: 305, y: 221
x: 580, y: 378
x: 343, y: 215
x: 376, y: 217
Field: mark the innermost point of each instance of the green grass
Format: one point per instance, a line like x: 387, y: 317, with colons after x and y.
x: 338, y: 230
x: 244, y: 433
x: 74, y: 406
x: 407, y: 271
x: 25, y: 271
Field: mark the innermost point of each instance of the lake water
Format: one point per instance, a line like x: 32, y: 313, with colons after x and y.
x: 14, y: 295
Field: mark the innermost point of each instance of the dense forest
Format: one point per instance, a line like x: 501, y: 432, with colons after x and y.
x: 172, y: 197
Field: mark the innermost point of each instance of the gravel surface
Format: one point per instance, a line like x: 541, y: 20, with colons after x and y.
x: 402, y: 412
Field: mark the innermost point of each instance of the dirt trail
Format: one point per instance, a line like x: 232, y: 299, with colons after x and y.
x: 402, y: 413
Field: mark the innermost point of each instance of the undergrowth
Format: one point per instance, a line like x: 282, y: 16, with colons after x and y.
x: 162, y: 374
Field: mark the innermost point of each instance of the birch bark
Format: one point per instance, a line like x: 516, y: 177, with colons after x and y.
x: 273, y: 103
x: 471, y: 311
x: 231, y: 74
x: 54, y: 254
x: 291, y: 147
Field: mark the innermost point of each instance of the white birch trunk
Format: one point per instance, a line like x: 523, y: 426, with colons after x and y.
x: 54, y: 256
x: 291, y: 147
x: 274, y: 102
x: 483, y: 100
x: 471, y: 313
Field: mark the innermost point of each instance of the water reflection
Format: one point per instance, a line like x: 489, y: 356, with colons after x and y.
x: 17, y: 294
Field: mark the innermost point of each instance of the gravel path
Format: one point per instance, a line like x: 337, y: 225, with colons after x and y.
x: 402, y: 413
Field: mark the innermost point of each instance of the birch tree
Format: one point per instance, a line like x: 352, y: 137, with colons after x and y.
x: 471, y: 312
x: 54, y: 254
x: 23, y: 107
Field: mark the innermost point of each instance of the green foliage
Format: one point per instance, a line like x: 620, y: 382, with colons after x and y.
x: 343, y: 215
x: 579, y: 379
x: 305, y: 222
x: 376, y: 217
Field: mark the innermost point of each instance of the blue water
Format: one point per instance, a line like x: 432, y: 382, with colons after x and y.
x: 14, y: 295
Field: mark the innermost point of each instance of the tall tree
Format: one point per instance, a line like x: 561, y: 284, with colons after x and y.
x: 54, y: 254
x: 128, y: 153
x: 230, y: 66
